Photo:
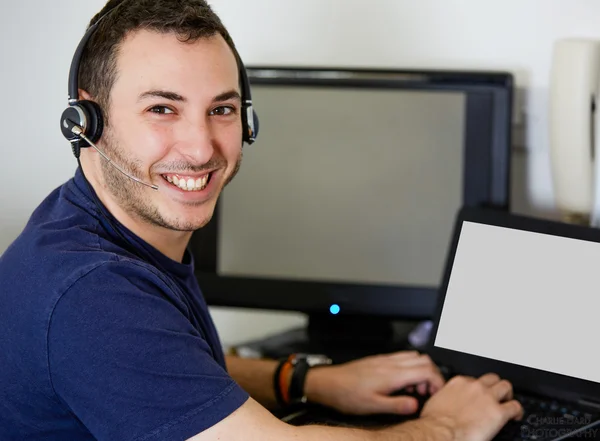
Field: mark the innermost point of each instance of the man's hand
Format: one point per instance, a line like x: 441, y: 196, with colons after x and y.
x: 364, y: 386
x: 473, y: 409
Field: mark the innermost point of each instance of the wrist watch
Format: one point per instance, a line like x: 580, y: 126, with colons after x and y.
x: 302, y: 363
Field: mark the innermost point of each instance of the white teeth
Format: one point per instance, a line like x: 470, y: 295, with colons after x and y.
x: 189, y: 184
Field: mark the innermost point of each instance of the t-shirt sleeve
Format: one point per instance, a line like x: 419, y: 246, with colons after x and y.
x: 126, y: 360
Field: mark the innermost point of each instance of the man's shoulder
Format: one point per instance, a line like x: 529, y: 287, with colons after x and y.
x: 56, y: 245
x: 62, y: 243
x: 44, y: 265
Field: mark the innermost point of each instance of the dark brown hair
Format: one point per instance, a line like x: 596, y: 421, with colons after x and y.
x: 190, y: 20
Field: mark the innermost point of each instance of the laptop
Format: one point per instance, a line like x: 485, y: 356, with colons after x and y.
x: 521, y: 297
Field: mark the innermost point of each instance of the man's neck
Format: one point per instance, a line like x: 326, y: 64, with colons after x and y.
x: 171, y: 243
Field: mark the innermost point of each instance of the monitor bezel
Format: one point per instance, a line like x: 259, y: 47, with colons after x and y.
x: 523, y: 378
x: 488, y: 116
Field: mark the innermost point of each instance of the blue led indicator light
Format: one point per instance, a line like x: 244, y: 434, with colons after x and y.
x: 334, y: 309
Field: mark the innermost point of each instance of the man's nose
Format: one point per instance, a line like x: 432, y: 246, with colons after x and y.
x: 196, y: 142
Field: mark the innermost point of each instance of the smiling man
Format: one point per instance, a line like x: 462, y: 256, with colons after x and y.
x: 174, y: 121
x: 105, y: 334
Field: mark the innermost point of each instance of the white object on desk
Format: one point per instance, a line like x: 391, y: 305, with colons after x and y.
x: 574, y: 83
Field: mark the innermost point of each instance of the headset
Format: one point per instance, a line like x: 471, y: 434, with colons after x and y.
x: 82, y: 121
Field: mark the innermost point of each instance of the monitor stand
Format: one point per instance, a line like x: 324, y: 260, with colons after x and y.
x: 343, y: 338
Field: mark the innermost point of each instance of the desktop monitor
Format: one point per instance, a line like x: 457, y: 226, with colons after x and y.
x: 345, y: 204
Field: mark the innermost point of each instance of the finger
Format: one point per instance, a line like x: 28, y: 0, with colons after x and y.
x: 502, y: 391
x: 422, y: 360
x: 422, y: 388
x: 489, y: 379
x: 512, y: 410
x: 401, y: 405
x: 433, y: 389
x: 410, y: 389
x: 419, y: 374
x: 415, y: 361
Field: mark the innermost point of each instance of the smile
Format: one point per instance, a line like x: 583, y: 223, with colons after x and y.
x: 189, y: 183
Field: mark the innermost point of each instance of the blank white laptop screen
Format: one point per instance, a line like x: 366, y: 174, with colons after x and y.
x: 526, y: 298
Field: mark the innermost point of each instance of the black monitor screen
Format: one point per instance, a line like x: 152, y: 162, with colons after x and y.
x: 348, y: 196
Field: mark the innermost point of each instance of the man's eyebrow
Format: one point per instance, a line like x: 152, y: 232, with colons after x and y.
x: 171, y: 96
x: 232, y: 94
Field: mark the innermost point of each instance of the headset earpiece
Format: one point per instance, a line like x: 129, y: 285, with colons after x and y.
x: 256, y: 125
x: 88, y: 116
x: 249, y: 124
x: 95, y: 125
x: 249, y: 116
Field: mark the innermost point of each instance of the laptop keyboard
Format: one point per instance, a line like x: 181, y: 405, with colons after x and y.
x: 547, y: 420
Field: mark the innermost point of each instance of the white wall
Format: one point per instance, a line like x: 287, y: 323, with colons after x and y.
x: 37, y: 39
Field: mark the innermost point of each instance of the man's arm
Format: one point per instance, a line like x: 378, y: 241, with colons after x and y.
x: 252, y: 421
x: 464, y: 410
x: 360, y: 387
x: 255, y: 377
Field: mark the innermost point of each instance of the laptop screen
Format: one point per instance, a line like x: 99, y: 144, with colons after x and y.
x: 526, y: 298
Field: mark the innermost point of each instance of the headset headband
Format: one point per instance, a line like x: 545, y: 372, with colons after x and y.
x: 249, y: 117
x: 75, y: 63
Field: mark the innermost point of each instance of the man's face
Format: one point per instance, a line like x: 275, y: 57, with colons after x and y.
x: 174, y: 121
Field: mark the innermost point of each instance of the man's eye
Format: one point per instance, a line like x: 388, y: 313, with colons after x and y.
x: 222, y: 110
x: 161, y: 110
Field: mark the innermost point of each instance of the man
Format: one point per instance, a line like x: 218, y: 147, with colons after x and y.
x: 105, y: 335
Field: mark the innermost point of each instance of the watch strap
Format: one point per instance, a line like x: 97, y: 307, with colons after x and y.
x: 297, y: 381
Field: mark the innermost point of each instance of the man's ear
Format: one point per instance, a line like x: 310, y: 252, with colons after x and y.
x: 84, y: 95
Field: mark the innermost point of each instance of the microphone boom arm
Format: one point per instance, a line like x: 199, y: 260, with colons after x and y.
x: 79, y: 132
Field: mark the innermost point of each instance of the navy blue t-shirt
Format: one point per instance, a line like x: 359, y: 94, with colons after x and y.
x: 102, y: 338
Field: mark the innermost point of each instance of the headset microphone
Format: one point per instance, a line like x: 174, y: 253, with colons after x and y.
x: 78, y: 131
